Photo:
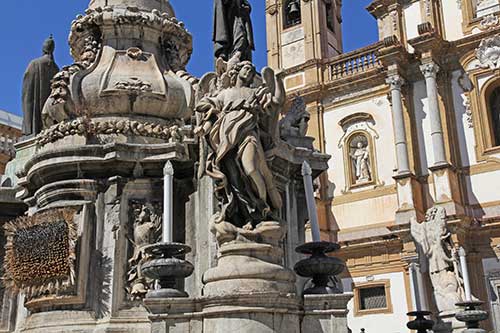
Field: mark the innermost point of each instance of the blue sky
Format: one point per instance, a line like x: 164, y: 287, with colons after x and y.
x: 24, y: 25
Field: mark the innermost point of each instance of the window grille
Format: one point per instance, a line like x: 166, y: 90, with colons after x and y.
x: 372, y: 298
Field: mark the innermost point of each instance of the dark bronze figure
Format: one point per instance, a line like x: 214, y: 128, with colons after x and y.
x: 233, y: 29
x: 36, y: 88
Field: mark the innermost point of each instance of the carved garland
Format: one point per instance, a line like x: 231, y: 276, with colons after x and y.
x: 40, y: 253
x: 172, y: 132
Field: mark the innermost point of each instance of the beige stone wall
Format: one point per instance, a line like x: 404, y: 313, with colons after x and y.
x: 6, y: 132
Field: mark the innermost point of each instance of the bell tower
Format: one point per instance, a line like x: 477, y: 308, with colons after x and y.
x: 299, y: 31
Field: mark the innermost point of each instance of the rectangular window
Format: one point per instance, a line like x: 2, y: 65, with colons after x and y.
x: 372, y: 298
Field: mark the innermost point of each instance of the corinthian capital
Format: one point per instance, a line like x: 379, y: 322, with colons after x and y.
x: 395, y: 82
x: 429, y: 69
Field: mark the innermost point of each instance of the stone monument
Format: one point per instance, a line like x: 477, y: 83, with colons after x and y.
x: 37, y: 86
x: 120, y: 188
x: 438, y: 257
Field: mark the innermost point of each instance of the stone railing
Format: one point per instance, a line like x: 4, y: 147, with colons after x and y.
x: 355, y: 62
x: 7, y: 145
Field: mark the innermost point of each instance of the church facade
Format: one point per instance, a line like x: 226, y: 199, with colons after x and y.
x: 10, y: 131
x: 411, y: 122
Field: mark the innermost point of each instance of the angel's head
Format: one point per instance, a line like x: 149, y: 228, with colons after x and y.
x: 143, y: 214
x: 243, y: 72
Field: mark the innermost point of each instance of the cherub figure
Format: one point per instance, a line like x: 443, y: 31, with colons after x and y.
x: 240, y: 122
x: 146, y: 231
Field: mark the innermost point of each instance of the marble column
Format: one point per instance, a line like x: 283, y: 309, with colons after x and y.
x: 430, y: 70
x: 395, y: 83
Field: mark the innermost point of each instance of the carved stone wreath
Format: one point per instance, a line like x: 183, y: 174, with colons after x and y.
x: 40, y: 253
x: 172, y: 132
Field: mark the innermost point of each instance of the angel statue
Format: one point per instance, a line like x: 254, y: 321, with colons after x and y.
x: 146, y: 231
x: 239, y: 120
x: 438, y: 256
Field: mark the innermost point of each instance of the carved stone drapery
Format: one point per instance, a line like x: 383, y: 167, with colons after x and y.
x: 240, y: 123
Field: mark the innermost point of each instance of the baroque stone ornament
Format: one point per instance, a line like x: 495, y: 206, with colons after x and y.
x: 40, y: 253
x: 488, y: 53
x: 489, y: 22
x: 146, y: 221
x: 240, y: 123
x: 437, y: 256
x: 101, y: 81
x: 173, y: 131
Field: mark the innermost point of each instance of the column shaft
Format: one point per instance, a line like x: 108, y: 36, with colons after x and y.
x: 430, y: 71
x: 395, y: 83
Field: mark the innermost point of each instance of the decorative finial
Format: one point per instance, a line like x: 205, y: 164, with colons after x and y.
x: 306, y: 169
x: 168, y: 170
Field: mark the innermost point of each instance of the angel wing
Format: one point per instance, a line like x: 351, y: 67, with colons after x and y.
x: 419, y: 235
x: 206, y: 86
x: 268, y: 79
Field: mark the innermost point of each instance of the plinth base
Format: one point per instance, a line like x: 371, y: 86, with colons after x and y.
x: 245, y: 268
x: 447, y: 323
x: 252, y: 313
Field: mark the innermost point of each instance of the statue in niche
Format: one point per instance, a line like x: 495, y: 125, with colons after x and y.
x: 239, y: 120
x: 37, y: 87
x: 233, y: 30
x: 438, y: 256
x: 296, y: 120
x: 360, y: 155
x: 494, y: 102
x: 147, y: 222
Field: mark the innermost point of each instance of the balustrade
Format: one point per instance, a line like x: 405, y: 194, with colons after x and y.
x: 355, y: 62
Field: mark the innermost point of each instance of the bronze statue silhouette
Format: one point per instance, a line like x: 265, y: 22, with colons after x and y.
x: 233, y: 30
x: 36, y: 87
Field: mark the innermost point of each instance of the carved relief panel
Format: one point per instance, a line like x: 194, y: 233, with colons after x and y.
x: 145, y: 221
